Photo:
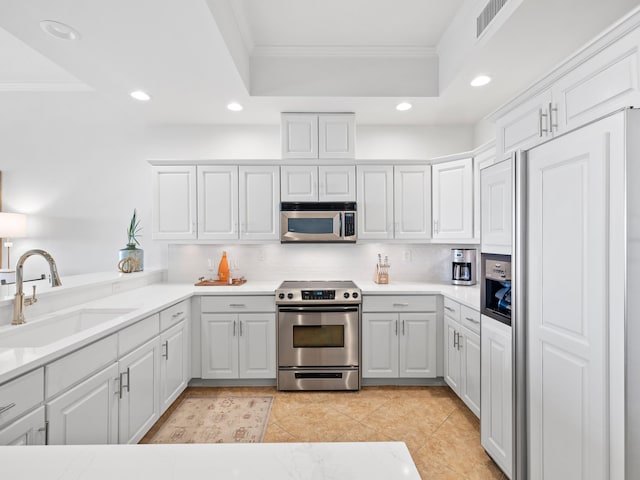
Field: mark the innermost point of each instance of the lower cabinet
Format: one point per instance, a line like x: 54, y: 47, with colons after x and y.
x: 139, y: 391
x: 174, y: 363
x: 496, y: 422
x: 88, y: 413
x: 398, y: 345
x: 462, y: 353
x: 238, y: 345
x: 30, y: 429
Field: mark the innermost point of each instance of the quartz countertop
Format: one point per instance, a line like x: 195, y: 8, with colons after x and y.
x: 247, y: 461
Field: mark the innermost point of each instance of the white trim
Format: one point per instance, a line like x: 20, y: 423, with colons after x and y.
x: 240, y: 17
x: 343, y: 51
x: 44, y: 87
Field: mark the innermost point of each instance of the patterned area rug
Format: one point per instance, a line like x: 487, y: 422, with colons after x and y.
x: 216, y: 420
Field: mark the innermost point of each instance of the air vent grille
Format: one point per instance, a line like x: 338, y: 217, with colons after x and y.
x: 488, y: 14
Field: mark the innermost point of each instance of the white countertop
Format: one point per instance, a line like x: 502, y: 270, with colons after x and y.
x: 247, y: 461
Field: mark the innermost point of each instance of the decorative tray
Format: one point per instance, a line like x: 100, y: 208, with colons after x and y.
x: 236, y: 282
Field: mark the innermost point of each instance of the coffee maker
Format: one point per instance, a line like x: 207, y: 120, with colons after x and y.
x: 463, y: 266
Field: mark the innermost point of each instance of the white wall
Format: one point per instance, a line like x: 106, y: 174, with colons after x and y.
x: 78, y: 168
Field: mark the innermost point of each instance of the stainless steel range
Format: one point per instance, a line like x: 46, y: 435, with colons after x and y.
x: 318, y: 335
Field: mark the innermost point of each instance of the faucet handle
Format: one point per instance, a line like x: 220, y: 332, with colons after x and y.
x: 33, y: 299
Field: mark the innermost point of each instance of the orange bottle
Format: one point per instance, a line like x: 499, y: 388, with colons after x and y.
x: 223, y: 269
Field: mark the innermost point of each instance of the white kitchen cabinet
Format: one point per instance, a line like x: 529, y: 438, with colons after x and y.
x: 139, y: 391
x: 496, y: 207
x: 30, y: 429
x: 462, y: 353
x: 87, y: 413
x: 334, y: 183
x: 308, y: 135
x: 398, y: 344
x: 174, y: 363
x: 217, y: 202
x: 174, y: 203
x: 259, y: 202
x: 375, y: 202
x: 238, y: 345
x: 452, y: 200
x: 496, y: 421
x: 412, y: 202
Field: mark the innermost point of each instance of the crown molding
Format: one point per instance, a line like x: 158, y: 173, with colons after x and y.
x: 344, y: 51
x: 240, y: 16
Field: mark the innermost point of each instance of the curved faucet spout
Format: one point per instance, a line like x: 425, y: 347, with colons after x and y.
x: 19, y: 301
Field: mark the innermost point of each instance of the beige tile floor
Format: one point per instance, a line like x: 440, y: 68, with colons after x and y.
x: 442, y: 435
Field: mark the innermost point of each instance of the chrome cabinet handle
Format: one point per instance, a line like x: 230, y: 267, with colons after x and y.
x: 176, y: 315
x: 166, y: 349
x: 541, y: 130
x: 403, y: 327
x: 237, y: 305
x: 449, y: 308
x: 400, y: 304
x: 552, y: 124
x: 45, y: 429
x: 455, y: 339
x: 122, y: 385
x: 459, y: 343
x: 396, y: 328
x: 472, y: 320
x: 6, y: 408
x: 435, y: 226
x: 240, y: 322
x: 234, y: 328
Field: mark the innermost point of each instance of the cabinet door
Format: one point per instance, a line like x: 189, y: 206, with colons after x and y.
x: 174, y: 203
x: 140, y: 391
x: 336, y: 136
x: 453, y: 200
x: 259, y: 203
x: 88, y: 413
x: 496, y: 204
x: 298, y: 183
x: 174, y: 363
x: 568, y: 315
x: 257, y: 345
x: 27, y: 430
x: 219, y: 345
x: 375, y: 202
x: 412, y: 201
x: 451, y: 354
x: 606, y: 82
x: 470, y: 369
x: 496, y: 369
x: 217, y: 203
x: 299, y: 135
x: 525, y: 126
x: 418, y: 345
x: 380, y: 345
x: 337, y: 183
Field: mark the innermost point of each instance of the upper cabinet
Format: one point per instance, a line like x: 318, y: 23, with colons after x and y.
x: 603, y: 77
x: 174, y: 203
x: 375, y: 202
x: 452, y: 194
x: 226, y: 202
x: 335, y: 183
x: 496, y: 205
x: 313, y: 136
x: 412, y: 202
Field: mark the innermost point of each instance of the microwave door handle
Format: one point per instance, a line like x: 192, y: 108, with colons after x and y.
x: 340, y: 225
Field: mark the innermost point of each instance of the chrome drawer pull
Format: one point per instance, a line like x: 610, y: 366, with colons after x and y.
x: 400, y: 304
x: 176, y: 315
x: 237, y: 305
x: 7, y: 408
x: 472, y: 320
x: 449, y: 308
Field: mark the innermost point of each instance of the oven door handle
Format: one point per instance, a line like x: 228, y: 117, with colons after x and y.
x: 318, y: 308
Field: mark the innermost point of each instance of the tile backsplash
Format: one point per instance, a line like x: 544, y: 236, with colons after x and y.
x: 323, y: 261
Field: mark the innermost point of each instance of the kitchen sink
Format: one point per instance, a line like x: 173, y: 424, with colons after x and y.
x: 52, y: 329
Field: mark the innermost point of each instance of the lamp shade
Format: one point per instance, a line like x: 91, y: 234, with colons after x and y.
x: 13, y: 225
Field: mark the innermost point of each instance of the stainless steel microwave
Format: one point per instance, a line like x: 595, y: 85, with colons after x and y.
x: 318, y: 222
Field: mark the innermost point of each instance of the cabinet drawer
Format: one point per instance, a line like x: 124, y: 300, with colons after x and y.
x: 452, y: 309
x: 138, y: 333
x: 399, y: 303
x: 21, y: 394
x: 249, y: 303
x: 78, y: 365
x: 174, y: 314
x: 470, y: 318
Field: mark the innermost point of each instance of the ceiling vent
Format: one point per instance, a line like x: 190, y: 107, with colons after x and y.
x: 488, y: 14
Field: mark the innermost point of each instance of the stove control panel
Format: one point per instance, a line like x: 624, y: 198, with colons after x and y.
x: 318, y: 294
x: 301, y: 295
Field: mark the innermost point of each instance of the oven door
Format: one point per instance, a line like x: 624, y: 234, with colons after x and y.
x: 301, y: 226
x: 321, y: 336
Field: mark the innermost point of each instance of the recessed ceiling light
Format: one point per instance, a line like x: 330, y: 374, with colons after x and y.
x: 234, y: 107
x: 480, y: 80
x: 140, y: 95
x: 59, y: 30
x: 403, y: 106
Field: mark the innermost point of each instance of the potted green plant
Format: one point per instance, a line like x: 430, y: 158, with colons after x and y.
x: 131, y: 258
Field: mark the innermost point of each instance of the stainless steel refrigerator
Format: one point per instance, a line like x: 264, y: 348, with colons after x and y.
x: 576, y: 304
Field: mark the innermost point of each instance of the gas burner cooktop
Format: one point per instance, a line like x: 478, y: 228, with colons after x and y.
x: 318, y: 291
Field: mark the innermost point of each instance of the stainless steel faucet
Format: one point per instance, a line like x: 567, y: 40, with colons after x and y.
x: 20, y: 302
